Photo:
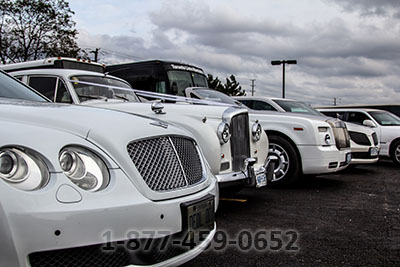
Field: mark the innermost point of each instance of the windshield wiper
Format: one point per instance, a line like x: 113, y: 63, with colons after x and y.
x: 93, y: 97
x: 121, y: 97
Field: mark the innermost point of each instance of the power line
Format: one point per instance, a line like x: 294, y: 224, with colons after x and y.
x: 114, y: 52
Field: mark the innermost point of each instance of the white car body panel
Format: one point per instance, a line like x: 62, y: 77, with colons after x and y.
x: 29, y: 219
x: 314, y: 153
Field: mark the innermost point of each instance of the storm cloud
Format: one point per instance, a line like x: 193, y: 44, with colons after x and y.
x: 356, y: 59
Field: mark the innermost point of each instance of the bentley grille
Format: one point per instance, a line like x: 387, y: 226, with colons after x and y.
x: 167, y: 163
x: 240, y: 142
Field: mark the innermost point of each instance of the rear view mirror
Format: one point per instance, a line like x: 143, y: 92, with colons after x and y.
x: 369, y: 123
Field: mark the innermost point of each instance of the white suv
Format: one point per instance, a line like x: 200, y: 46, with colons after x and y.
x: 385, y: 124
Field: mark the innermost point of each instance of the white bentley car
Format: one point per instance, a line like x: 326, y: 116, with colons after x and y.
x: 302, y: 144
x: 87, y: 186
x: 363, y: 140
x: 384, y: 123
x: 234, y: 144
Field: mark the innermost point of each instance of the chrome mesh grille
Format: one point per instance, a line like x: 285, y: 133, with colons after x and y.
x: 167, y: 163
x: 359, y: 138
x: 240, y: 142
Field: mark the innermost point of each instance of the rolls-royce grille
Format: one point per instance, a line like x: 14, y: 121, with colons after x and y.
x: 342, y: 137
x: 375, y: 137
x: 360, y: 138
x: 240, y: 142
x: 167, y: 163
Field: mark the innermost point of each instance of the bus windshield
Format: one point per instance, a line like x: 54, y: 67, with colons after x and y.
x: 385, y: 118
x: 96, y: 87
x: 296, y: 107
x: 180, y: 80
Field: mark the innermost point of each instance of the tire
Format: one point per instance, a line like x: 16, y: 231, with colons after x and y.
x: 287, y: 168
x: 395, y: 153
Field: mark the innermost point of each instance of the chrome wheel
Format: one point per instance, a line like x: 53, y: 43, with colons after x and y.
x: 283, y: 162
x: 397, y: 153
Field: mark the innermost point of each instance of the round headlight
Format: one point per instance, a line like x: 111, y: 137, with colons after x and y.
x: 256, y: 131
x: 223, y: 133
x: 23, y: 169
x: 84, y: 168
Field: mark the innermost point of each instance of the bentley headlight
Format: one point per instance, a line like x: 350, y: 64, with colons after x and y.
x: 223, y: 133
x: 23, y: 169
x: 256, y: 131
x: 84, y: 168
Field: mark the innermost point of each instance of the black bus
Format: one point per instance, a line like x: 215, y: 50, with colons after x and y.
x: 159, y: 76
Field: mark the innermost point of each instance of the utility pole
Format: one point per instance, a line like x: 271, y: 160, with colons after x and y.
x: 336, y: 100
x: 252, y: 86
x: 96, y: 54
x: 283, y: 63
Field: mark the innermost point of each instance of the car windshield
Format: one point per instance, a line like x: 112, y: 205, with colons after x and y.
x: 385, y: 118
x: 213, y: 95
x: 12, y: 88
x: 296, y: 107
x: 97, y: 87
x: 180, y: 80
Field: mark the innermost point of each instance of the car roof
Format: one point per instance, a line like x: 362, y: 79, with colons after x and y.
x: 264, y: 98
x: 350, y: 109
x: 62, y: 72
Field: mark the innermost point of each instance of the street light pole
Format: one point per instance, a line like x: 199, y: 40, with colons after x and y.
x: 283, y: 62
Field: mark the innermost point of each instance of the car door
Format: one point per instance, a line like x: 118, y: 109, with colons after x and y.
x: 50, y: 86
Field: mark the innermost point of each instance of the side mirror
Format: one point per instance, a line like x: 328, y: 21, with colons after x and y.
x: 369, y: 123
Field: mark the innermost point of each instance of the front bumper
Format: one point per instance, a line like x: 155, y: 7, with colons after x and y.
x: 365, y: 156
x: 323, y: 159
x: 251, y: 176
x: 38, y: 222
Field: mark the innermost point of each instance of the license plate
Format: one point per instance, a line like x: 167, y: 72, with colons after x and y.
x: 348, y: 157
x: 261, y: 179
x: 198, y: 218
x: 374, y: 152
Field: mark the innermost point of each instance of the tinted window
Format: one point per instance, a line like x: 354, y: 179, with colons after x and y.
x: 246, y: 102
x: 199, y: 80
x: 261, y: 105
x: 357, y: 117
x: 296, y: 107
x: 333, y: 114
x: 385, y: 118
x: 44, y: 85
x: 11, y: 88
x: 179, y: 81
x: 63, y: 95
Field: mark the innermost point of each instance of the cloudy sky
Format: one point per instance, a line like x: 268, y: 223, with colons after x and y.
x: 346, y: 49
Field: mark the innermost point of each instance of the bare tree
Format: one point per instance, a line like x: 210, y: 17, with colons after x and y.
x: 35, y: 29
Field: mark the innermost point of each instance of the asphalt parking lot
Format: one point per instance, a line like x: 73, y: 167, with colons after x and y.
x: 350, y: 218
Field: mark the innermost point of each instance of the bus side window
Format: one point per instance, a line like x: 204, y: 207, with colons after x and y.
x: 44, y: 85
x: 161, y: 88
x: 63, y: 95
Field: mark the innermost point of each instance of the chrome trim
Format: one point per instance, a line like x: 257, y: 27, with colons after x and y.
x: 231, y: 112
x: 179, y: 160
